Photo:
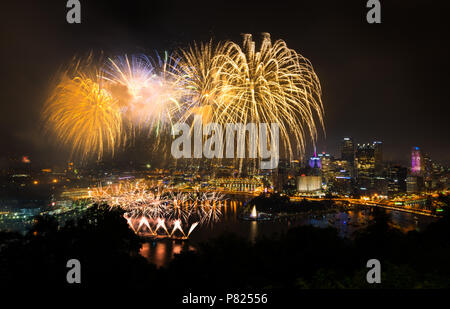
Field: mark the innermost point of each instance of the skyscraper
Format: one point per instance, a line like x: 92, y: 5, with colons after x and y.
x: 378, y: 152
x: 427, y: 164
x: 325, y: 162
x: 396, y: 176
x: 416, y: 162
x: 365, y: 160
x: 415, y: 181
x: 348, y: 149
x: 315, y: 162
x: 348, y: 153
x: 365, y: 166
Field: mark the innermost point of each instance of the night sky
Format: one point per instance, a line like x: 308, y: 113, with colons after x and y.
x: 385, y: 82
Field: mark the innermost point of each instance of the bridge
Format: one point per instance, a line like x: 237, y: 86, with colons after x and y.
x: 357, y: 202
x: 360, y: 202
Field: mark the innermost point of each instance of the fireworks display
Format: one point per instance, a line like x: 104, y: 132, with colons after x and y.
x: 155, y: 211
x: 84, y: 115
x: 271, y: 85
x: 148, y: 90
x: 199, y: 71
x: 224, y: 83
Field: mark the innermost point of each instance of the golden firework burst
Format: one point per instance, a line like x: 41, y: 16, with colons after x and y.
x: 275, y: 84
x: 84, y: 116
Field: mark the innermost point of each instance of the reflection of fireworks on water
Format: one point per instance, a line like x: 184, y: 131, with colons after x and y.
x: 155, y: 211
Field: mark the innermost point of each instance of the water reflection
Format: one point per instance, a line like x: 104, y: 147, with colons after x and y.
x: 345, y: 220
x: 253, y: 231
x: 160, y: 252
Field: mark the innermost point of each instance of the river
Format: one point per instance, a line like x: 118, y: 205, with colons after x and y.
x: 346, y: 220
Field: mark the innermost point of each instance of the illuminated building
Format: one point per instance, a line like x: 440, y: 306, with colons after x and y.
x: 427, y: 165
x: 315, y: 162
x: 365, y: 161
x: 239, y: 184
x: 326, y: 165
x: 369, y: 167
x: 378, y: 153
x: 337, y: 176
x: 309, y: 184
x: 342, y: 185
x: 380, y: 186
x: 427, y: 172
x: 340, y: 168
x: 348, y: 149
x: 294, y: 166
x: 416, y: 162
x: 415, y: 181
x: 396, y: 176
x: 348, y: 153
x: 279, y: 178
x: 325, y: 160
x: 414, y: 184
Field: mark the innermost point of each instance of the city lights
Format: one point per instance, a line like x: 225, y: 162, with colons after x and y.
x: 178, y: 149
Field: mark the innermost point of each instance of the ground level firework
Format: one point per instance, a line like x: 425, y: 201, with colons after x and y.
x: 155, y: 211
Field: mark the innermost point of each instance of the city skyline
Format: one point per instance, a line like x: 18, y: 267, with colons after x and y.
x: 187, y: 148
